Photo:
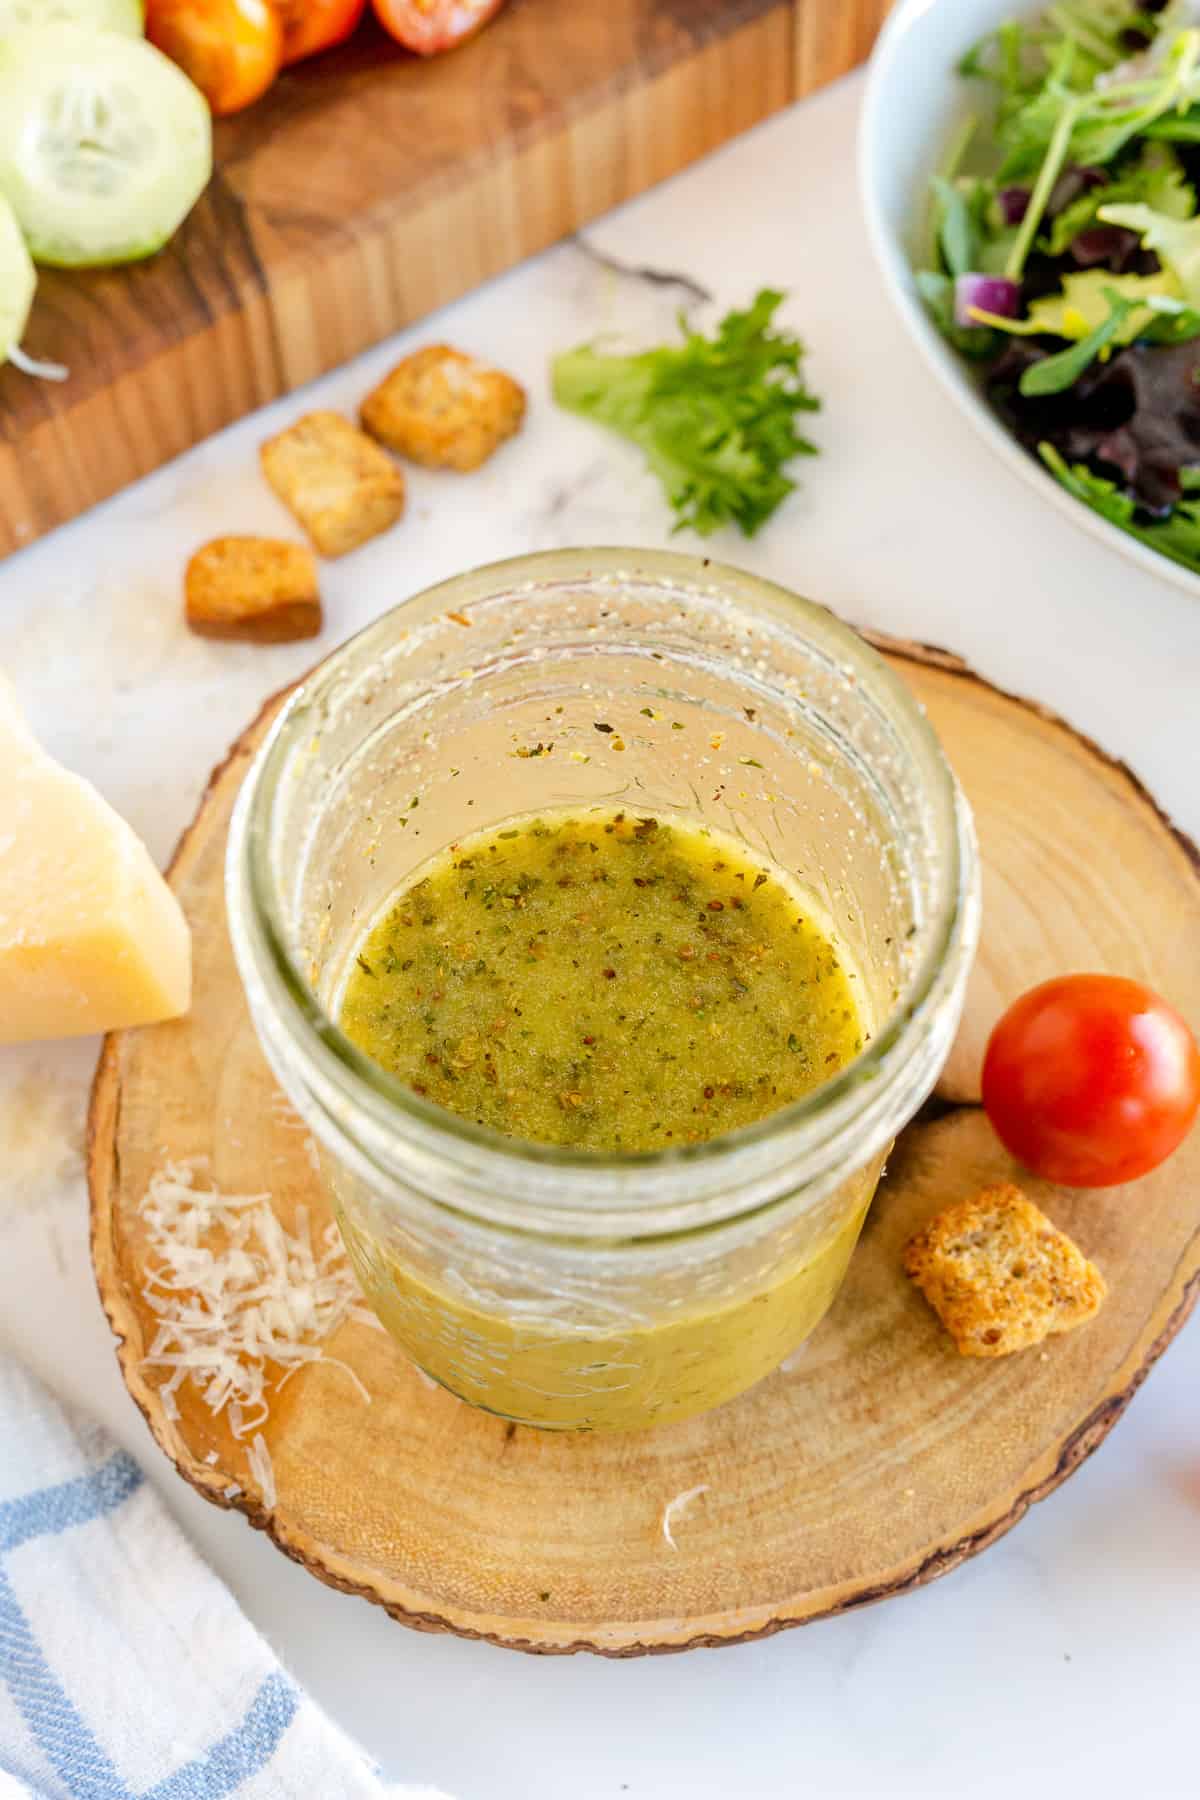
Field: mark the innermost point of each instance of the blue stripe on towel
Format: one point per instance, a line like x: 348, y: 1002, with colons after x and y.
x: 242, y: 1754
x: 58, y: 1730
x: 55, y: 1724
x: 57, y: 1727
x: 25, y: 1781
x: 54, y: 1509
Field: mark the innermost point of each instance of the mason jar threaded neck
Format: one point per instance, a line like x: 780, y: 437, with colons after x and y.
x: 821, y: 705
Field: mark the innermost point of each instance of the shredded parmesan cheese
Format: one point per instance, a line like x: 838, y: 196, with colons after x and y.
x: 234, y: 1292
x: 679, y: 1504
x: 35, y: 365
x: 262, y: 1469
x: 284, y: 1114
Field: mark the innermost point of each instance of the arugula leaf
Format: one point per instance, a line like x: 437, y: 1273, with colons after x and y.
x: 1176, y: 128
x: 1069, y: 119
x: 955, y: 150
x: 1011, y: 59
x: 955, y: 228
x: 1056, y: 373
x: 1087, y: 27
x: 1057, y: 60
x: 1177, y: 536
x: 1074, y: 43
x: 715, y: 416
x: 1106, y: 127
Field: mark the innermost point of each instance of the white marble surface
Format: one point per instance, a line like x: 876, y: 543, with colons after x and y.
x: 1066, y: 1658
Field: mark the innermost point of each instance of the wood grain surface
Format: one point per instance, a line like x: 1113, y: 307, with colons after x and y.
x: 369, y: 187
x: 874, y: 1462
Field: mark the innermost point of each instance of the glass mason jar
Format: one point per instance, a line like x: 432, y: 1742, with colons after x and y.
x: 554, y: 1286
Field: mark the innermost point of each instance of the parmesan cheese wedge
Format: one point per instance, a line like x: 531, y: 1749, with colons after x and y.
x: 91, y: 937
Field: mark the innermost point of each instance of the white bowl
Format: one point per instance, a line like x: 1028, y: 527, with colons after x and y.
x: 913, y: 100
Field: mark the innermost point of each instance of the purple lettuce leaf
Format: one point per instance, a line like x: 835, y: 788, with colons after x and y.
x: 1134, y: 419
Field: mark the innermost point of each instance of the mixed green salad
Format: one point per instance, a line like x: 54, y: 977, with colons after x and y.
x: 1063, y: 254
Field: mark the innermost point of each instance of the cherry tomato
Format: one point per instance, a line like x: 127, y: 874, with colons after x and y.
x: 232, y: 49
x: 312, y: 25
x: 428, y: 26
x: 1090, y: 1080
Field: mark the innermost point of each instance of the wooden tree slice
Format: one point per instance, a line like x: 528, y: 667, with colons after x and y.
x: 874, y: 1462
x: 1081, y: 870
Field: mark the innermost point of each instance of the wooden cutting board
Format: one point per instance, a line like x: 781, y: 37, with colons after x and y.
x: 369, y: 187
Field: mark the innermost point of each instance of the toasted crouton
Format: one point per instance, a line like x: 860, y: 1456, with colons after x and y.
x: 255, y: 588
x: 443, y: 409
x: 340, y: 486
x: 1000, y: 1276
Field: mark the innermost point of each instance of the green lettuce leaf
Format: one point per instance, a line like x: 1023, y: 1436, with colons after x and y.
x: 1055, y: 374
x: 1082, y: 304
x: 1176, y: 537
x: 1176, y: 242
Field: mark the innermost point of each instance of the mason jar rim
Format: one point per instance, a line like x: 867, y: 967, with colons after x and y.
x: 396, y: 1109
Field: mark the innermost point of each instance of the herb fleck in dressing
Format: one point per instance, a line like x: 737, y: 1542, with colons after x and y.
x: 604, y: 981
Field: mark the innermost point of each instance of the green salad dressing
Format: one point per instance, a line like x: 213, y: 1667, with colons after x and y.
x: 604, y: 981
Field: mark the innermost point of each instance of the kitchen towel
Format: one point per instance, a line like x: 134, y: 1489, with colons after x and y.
x: 127, y: 1670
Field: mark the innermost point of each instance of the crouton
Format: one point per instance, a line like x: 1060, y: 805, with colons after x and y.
x: 1000, y: 1276
x: 443, y: 409
x: 255, y: 588
x: 337, y: 483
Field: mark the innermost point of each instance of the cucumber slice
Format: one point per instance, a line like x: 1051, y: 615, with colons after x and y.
x: 17, y: 280
x: 126, y: 16
x: 105, y: 145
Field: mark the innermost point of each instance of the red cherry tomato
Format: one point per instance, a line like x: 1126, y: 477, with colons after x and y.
x: 1091, y: 1080
x: 312, y: 25
x: 428, y: 26
x: 230, y: 48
